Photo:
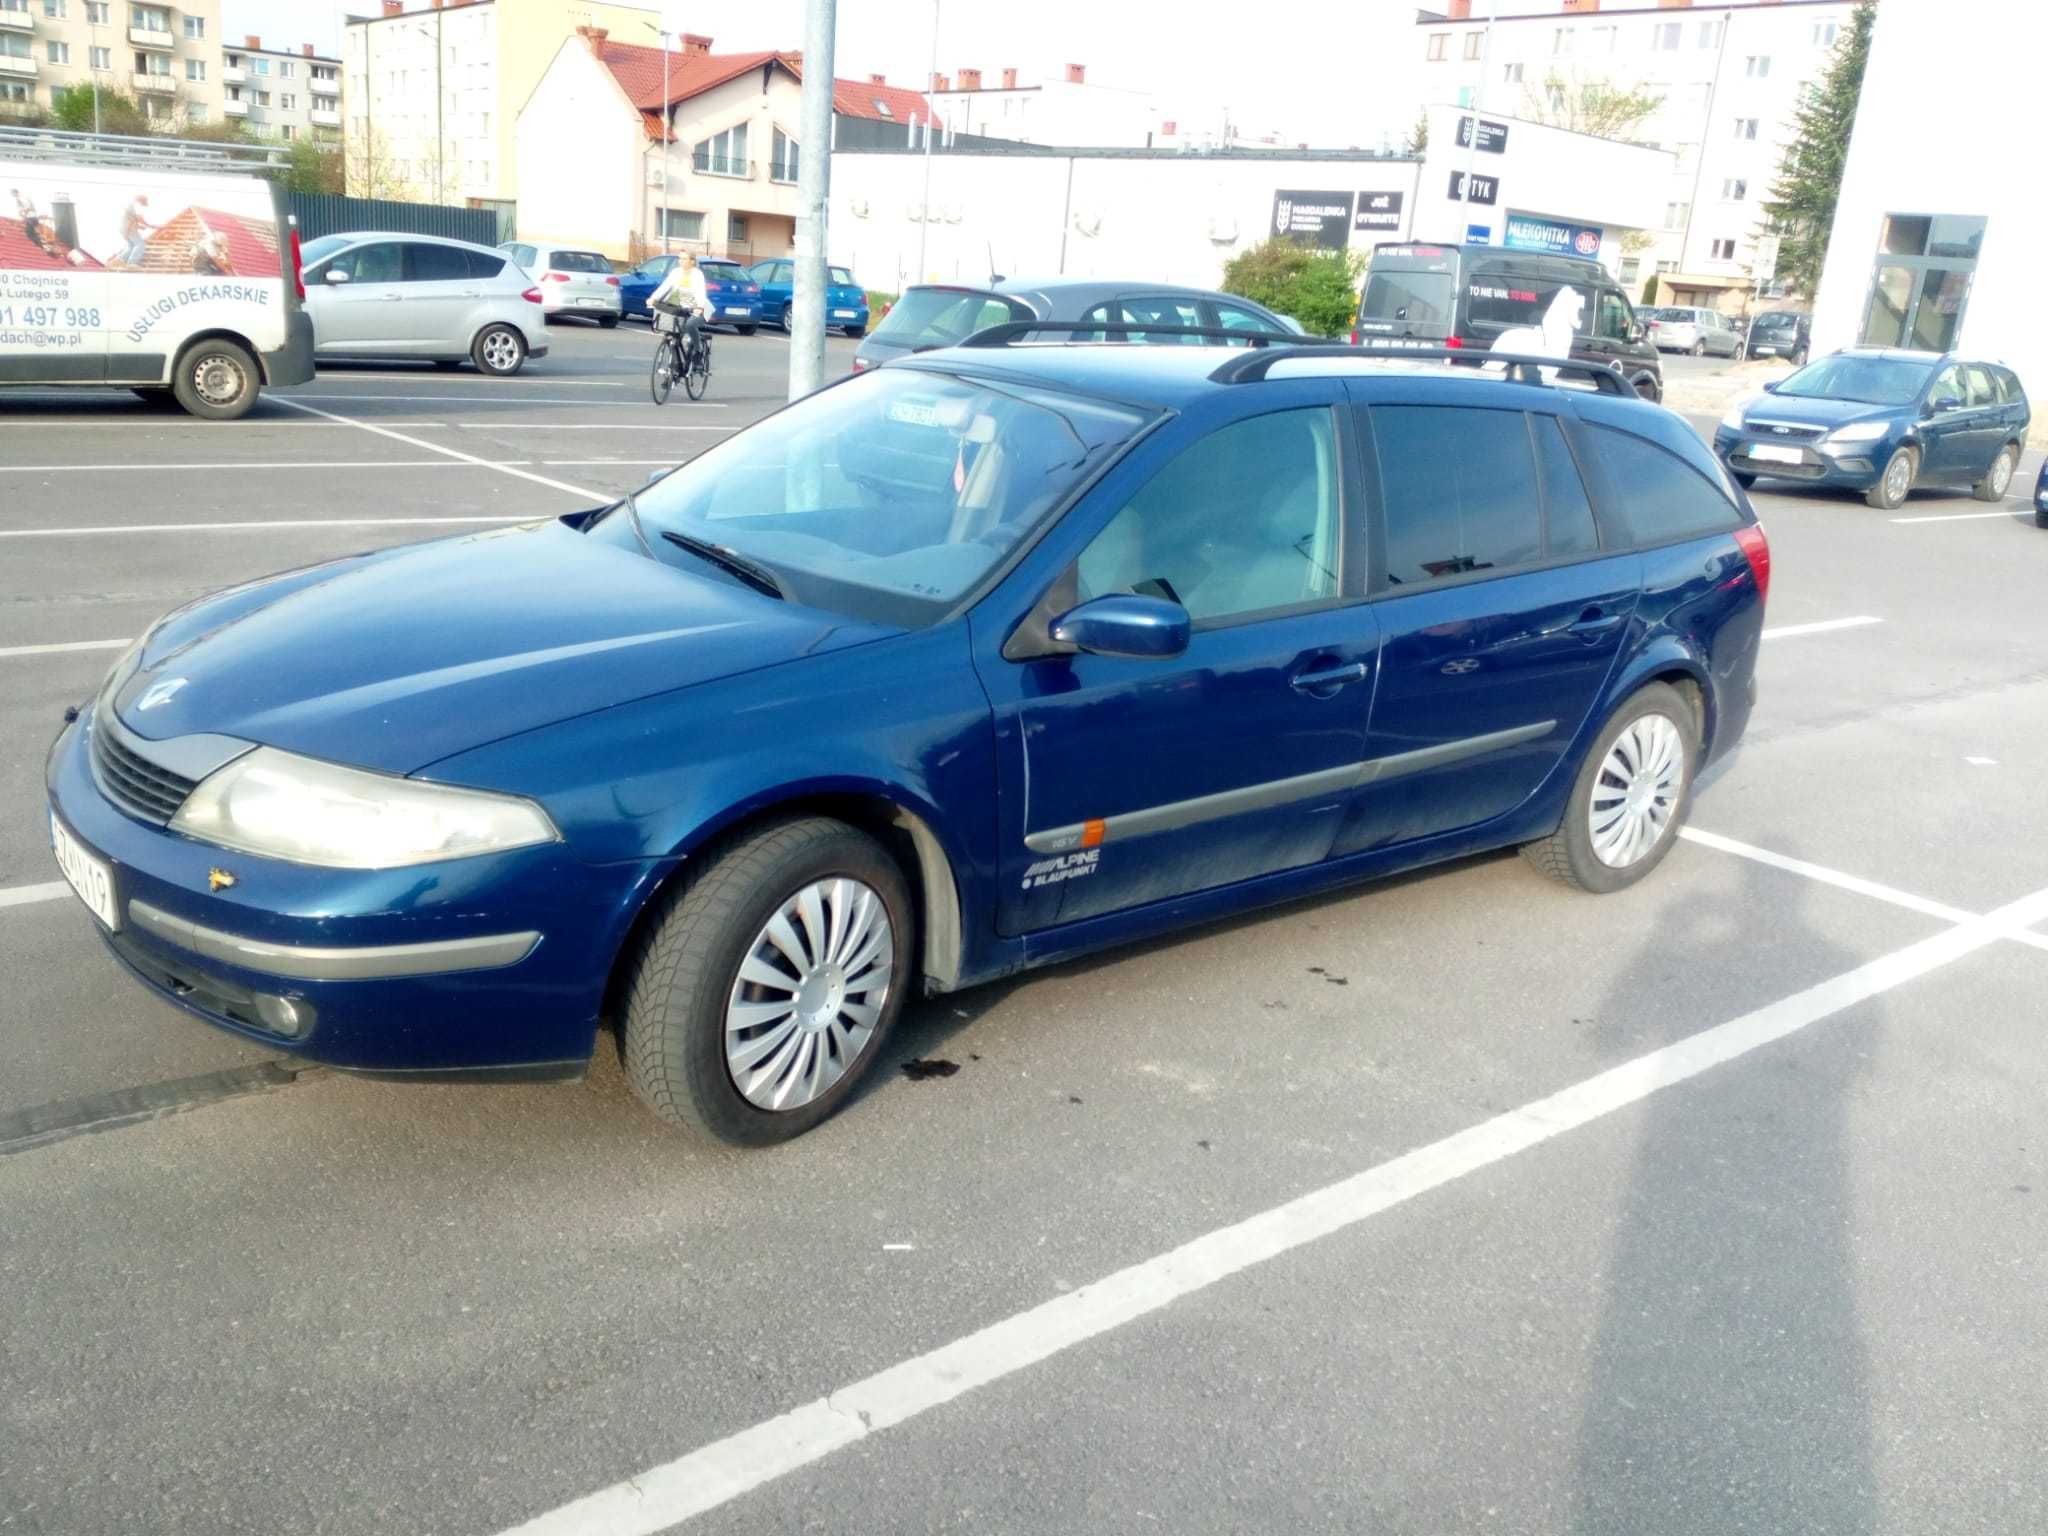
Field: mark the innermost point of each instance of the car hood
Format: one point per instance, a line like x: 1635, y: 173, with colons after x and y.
x: 396, y: 659
x: 1807, y: 411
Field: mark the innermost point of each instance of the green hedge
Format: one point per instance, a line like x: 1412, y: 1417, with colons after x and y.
x: 1318, y: 288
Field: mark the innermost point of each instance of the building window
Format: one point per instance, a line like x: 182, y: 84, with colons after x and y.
x: 196, y: 113
x: 16, y: 91
x: 1710, y: 34
x: 1554, y: 95
x: 263, y: 98
x: 724, y: 154
x: 1473, y: 40
x: 1824, y: 34
x: 98, y: 13
x: 1464, y: 95
x: 288, y: 102
x: 1439, y: 45
x: 195, y: 69
x: 149, y: 18
x: 58, y: 53
x: 1665, y: 36
x: 1666, y: 268
x: 1734, y: 190
x: 54, y: 9
x: 1561, y: 40
x: 1723, y: 250
x: 152, y: 64
x: 1511, y: 73
x: 101, y: 58
x: 1757, y: 66
x: 1745, y: 127
x: 1602, y: 39
x: 1631, y: 269
x: 260, y: 66
x: 736, y: 229
x: 289, y: 131
x: 1921, y: 285
x: 286, y: 68
x: 195, y: 27
x: 782, y: 166
x: 1674, y: 215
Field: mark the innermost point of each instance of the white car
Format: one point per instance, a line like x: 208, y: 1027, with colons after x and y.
x: 571, y: 281
x: 1695, y: 331
x: 394, y: 295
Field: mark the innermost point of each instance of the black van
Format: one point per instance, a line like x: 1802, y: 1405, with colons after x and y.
x: 1467, y: 295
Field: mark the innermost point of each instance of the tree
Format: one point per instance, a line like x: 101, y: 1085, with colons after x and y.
x: 370, y: 170
x: 72, y: 111
x: 315, y: 167
x: 1418, y: 136
x: 1598, y: 107
x: 1801, y: 206
x: 1318, y: 288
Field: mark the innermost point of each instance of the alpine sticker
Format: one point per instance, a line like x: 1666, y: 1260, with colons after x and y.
x: 1068, y: 866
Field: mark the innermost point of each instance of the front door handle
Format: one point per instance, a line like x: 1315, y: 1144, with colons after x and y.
x: 1593, y: 623
x: 1329, y: 678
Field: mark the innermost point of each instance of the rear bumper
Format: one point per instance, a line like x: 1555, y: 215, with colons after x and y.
x: 292, y: 363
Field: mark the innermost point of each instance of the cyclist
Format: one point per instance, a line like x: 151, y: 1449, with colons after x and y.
x: 683, y: 291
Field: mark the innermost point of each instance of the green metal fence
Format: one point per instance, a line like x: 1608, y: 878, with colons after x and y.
x: 323, y: 215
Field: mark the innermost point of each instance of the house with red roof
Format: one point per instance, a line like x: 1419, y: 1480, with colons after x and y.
x: 630, y: 150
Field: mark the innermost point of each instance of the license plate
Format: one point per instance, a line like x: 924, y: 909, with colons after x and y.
x: 842, y: 314
x: 91, y: 878
x: 735, y: 309
x: 1764, y: 351
x: 592, y: 304
x: 1770, y: 454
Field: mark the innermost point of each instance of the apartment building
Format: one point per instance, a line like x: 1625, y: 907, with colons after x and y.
x: 277, y: 94
x: 165, y: 57
x: 1068, y: 109
x: 1730, y: 78
x: 430, y: 94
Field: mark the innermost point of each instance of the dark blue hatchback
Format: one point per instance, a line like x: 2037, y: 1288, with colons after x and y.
x: 965, y: 665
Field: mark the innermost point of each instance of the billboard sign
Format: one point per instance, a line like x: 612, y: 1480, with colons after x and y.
x: 1322, y: 218
x: 1554, y: 236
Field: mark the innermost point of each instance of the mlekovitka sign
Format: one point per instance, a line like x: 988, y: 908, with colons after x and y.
x: 1323, y: 218
x: 1554, y: 236
x: 1379, y: 211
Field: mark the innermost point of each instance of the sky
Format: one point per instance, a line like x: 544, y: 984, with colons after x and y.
x: 1303, y: 67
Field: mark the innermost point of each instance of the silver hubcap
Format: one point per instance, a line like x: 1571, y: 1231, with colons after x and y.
x: 1636, y: 792
x: 1896, y: 476
x: 808, y: 994
x: 217, y: 380
x: 2001, y: 473
x: 500, y: 350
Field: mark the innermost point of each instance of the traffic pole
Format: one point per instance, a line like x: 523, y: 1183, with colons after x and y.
x: 814, y: 190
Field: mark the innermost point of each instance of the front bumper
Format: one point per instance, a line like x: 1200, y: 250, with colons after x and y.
x: 493, y: 963
x: 1851, y: 466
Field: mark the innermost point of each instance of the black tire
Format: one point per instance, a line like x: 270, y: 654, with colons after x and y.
x: 1994, y: 485
x: 1698, y: 349
x: 698, y: 378
x: 1742, y: 478
x: 855, y: 332
x: 1644, y: 384
x: 686, y: 962
x: 659, y: 380
x: 490, y: 351
x: 609, y: 322
x: 1799, y: 358
x: 216, y: 380
x: 783, y: 319
x: 1567, y: 854
x: 746, y: 330
x: 2040, y: 518
x: 1889, y: 494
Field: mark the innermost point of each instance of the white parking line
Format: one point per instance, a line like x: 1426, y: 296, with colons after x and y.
x: 282, y: 522
x: 725, y: 1469
x: 416, y: 442
x: 1954, y: 517
x: 582, y: 426
x: 95, y: 469
x: 63, y: 645
x: 341, y: 376
x: 623, y: 463
x: 22, y: 895
x: 692, y: 405
x: 1789, y: 631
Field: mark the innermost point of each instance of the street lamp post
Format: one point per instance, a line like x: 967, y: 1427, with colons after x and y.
x: 814, y: 192
x: 663, y: 34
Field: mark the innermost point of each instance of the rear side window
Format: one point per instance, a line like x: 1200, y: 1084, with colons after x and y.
x: 1458, y: 491
x: 1172, y: 313
x: 1982, y: 387
x: 435, y: 264
x: 1497, y: 300
x: 2009, y: 386
x: 1666, y: 497
x: 1418, y: 298
x: 1567, y: 516
x: 481, y: 265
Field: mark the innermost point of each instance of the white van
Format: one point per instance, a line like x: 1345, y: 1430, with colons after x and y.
x: 172, y: 283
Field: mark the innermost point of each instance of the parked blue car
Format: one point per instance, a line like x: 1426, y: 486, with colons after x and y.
x: 1881, y: 422
x: 972, y: 663
x: 846, y: 302
x: 735, y: 297
x: 2041, y: 496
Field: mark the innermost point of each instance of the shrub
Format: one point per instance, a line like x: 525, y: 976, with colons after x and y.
x: 1318, y: 288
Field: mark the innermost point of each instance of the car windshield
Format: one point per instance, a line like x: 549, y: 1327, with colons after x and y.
x: 1871, y: 380
x: 938, y: 317
x: 890, y: 495
x: 841, y: 275
x: 321, y: 249
x: 1668, y: 315
x: 1777, y: 322
x: 1419, y: 298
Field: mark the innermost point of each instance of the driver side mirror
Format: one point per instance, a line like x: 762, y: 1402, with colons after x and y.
x: 335, y: 275
x: 1770, y: 386
x: 1124, y: 624
x: 1942, y: 403
x: 1637, y: 330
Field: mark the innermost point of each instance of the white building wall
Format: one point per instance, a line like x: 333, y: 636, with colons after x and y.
x: 299, y: 105
x: 419, y: 98
x: 583, y: 158
x: 1897, y: 165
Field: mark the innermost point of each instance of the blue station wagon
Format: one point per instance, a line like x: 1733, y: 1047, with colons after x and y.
x: 846, y: 302
x: 972, y: 663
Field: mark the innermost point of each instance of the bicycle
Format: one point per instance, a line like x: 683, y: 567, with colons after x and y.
x: 680, y: 355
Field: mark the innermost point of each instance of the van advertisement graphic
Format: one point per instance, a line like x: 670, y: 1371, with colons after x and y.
x: 1527, y: 233
x: 84, y: 265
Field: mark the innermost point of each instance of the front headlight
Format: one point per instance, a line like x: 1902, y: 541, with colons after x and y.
x: 1733, y: 420
x: 1860, y: 432
x: 305, y: 811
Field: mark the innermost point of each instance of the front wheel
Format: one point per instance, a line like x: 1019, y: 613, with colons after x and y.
x: 763, y: 991
x: 662, y: 378
x: 746, y: 330
x: 1628, y: 798
x: 698, y: 378
x: 499, y: 350
x: 1699, y: 349
x: 1647, y: 387
x: 216, y: 380
x: 609, y: 322
x: 1998, y: 477
x: 1889, y: 494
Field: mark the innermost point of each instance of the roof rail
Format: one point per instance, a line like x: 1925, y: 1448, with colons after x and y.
x: 1523, y: 367
x: 1015, y: 330
x: 18, y: 142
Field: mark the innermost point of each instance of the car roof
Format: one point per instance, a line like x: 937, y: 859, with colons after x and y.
x: 1054, y: 297
x: 355, y: 236
x: 1898, y: 354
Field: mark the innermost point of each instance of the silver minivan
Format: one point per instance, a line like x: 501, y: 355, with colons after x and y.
x: 379, y: 294
x: 571, y: 281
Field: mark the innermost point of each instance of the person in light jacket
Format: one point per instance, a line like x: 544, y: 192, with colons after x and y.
x: 684, y: 292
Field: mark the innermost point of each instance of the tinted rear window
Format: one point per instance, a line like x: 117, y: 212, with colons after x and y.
x: 1665, y: 497
x: 481, y: 265
x: 1458, y: 491
x: 1567, y: 515
x: 1413, y: 298
x: 938, y: 317
x: 578, y: 261
x: 841, y: 275
x: 435, y: 263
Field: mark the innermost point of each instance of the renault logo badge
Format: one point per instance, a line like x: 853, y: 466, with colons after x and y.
x: 218, y: 879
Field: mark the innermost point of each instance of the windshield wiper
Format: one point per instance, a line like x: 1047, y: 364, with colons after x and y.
x: 731, y: 561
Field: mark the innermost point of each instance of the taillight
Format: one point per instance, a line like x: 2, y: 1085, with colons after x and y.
x: 298, y: 266
x: 1757, y: 550
x: 860, y: 365
x: 1354, y: 339
x: 753, y: 287
x: 532, y: 296
x: 557, y: 277
x: 613, y: 281
x: 1454, y: 342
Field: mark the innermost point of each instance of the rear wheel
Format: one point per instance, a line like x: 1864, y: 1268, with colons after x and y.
x: 1889, y: 494
x: 216, y: 380
x: 783, y: 318
x: 609, y: 322
x: 699, y: 373
x: 1629, y: 797
x: 499, y: 350
x: 662, y: 377
x: 1998, y: 477
x: 746, y: 330
x: 1699, y: 349
x: 764, y: 990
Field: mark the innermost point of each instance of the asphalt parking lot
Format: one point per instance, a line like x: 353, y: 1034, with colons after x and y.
x: 1458, y: 1202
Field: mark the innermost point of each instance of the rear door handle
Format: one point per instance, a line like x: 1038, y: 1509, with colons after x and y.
x: 1593, y: 623
x: 1331, y: 678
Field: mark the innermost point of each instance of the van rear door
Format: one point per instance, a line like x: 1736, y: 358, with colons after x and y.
x: 1410, y: 296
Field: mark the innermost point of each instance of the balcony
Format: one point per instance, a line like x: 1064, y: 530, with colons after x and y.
x: 327, y: 88
x: 149, y: 37
x: 155, y: 85
x: 234, y: 109
x: 17, y: 21
x: 234, y: 74
x: 10, y: 65
x: 326, y: 117
x: 722, y: 165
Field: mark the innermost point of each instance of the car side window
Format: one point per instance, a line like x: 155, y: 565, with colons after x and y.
x: 481, y: 265
x: 1163, y: 311
x: 1615, y: 321
x: 1230, y: 317
x: 1568, y: 527
x: 1983, y: 389
x: 785, y: 272
x: 1101, y: 314
x: 381, y: 263
x: 434, y: 263
x: 1948, y: 384
x: 1458, y: 492
x: 1666, y: 498
x: 1245, y: 521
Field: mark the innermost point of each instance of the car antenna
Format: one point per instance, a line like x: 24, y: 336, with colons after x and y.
x: 993, y: 275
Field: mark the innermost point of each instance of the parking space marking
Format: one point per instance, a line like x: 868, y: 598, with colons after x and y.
x: 335, y: 377
x: 584, y: 426
x: 24, y: 895
x: 692, y: 405
x: 96, y: 469
x: 62, y: 645
x: 282, y: 522
x: 717, y: 1473
x: 1821, y: 627
x: 452, y: 453
x: 1955, y: 517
